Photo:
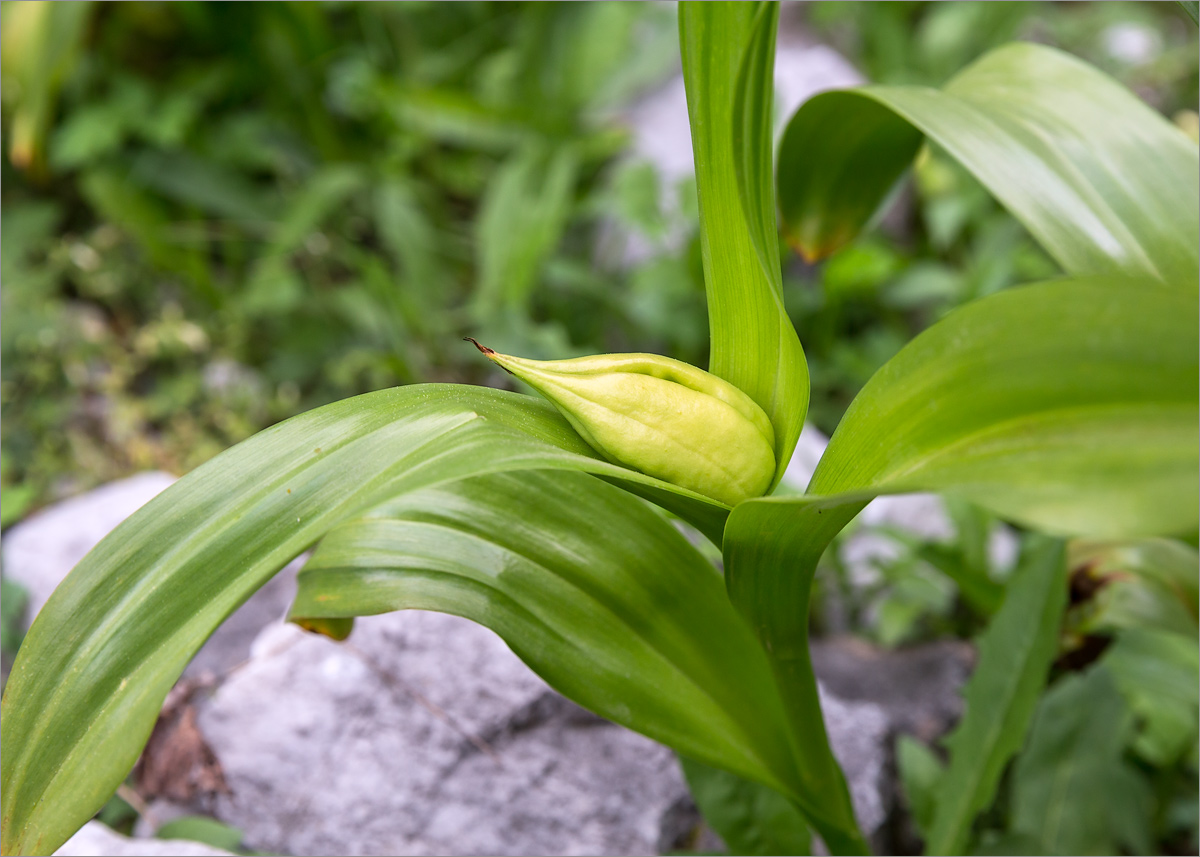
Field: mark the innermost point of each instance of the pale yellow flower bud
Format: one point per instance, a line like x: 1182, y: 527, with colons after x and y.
x: 663, y: 417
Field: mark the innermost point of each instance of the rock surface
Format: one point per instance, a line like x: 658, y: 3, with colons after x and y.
x: 916, y: 688
x: 426, y: 735
x: 97, y: 840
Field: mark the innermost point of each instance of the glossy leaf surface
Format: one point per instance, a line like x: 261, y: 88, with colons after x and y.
x: 728, y: 51
x: 91, y: 675
x: 636, y: 628
x: 1069, y: 406
x: 1101, y: 181
x: 771, y: 550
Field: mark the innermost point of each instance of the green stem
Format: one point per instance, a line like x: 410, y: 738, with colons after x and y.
x: 771, y: 550
x: 821, y: 773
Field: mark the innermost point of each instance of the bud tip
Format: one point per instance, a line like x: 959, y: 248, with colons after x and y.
x: 482, y: 348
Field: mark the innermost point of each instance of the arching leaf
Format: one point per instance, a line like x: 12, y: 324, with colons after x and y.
x: 92, y: 673
x: 1103, y: 182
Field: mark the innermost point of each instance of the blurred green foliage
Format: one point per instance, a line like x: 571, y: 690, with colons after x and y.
x: 218, y: 215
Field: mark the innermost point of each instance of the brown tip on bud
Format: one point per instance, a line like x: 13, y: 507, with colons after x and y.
x: 482, y: 348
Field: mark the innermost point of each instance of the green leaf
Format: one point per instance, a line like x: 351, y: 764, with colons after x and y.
x: 93, y: 670
x: 201, y: 828
x: 13, y: 600
x: 1148, y: 583
x: 920, y: 771
x: 749, y: 817
x: 1015, y: 654
x: 1156, y: 673
x: 1101, y: 181
x: 1070, y: 406
x: 637, y: 629
x: 1072, y: 790
x: 728, y: 56
x: 1192, y: 8
x: 521, y: 220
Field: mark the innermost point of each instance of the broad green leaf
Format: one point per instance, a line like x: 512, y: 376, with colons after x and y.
x: 1103, y: 182
x: 1070, y: 406
x: 748, y: 816
x: 728, y: 51
x: 1073, y: 792
x: 636, y: 628
x: 93, y: 670
x: 1156, y: 672
x: 1015, y: 654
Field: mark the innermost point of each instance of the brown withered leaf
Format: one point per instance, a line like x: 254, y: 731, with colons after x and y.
x: 177, y: 763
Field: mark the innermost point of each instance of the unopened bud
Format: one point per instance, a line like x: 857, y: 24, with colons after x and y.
x: 665, y: 418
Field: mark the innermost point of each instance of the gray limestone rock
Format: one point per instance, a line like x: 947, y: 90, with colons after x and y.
x: 917, y: 688
x: 425, y: 735
x: 96, y: 840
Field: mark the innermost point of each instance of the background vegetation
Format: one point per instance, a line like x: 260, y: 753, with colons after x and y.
x: 217, y: 216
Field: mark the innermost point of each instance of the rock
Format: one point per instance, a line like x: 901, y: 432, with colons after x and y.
x: 917, y: 688
x: 96, y: 840
x: 425, y: 735
x: 859, y: 735
x: 661, y: 134
x: 42, y: 549
x: 659, y: 120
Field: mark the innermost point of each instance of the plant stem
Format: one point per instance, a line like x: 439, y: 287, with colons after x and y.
x: 822, y: 775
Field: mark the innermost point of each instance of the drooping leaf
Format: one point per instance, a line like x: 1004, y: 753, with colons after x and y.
x: 1149, y: 583
x: 1102, y: 182
x: 636, y: 628
x: 100, y: 657
x: 1073, y: 792
x: 728, y: 51
x: 748, y: 816
x: 1070, y: 406
x: 1015, y: 654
